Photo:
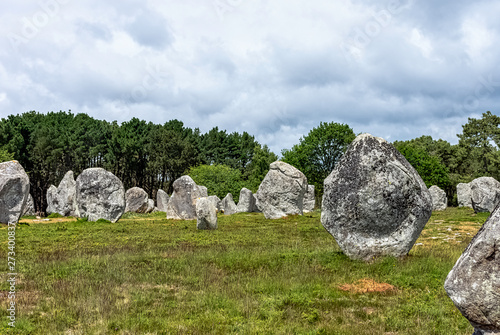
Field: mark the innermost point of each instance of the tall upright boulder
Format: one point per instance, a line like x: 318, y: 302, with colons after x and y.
x: 29, y: 207
x: 206, y: 214
x: 464, y: 195
x: 182, y: 203
x: 62, y: 199
x: 309, y: 199
x: 485, y: 194
x: 246, y: 202
x: 216, y: 202
x: 474, y: 282
x: 228, y: 205
x: 136, y: 200
x: 282, y: 191
x: 439, y: 198
x: 162, y: 200
x: 14, y: 191
x: 374, y: 202
x: 100, y: 195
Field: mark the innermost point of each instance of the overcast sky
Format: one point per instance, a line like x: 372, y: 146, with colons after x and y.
x: 276, y: 69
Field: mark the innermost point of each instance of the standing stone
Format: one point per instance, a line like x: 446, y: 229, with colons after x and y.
x: 100, y: 195
x: 14, y: 191
x: 151, y: 206
x: 281, y: 193
x: 246, y: 202
x: 485, y: 194
x: 182, y: 203
x: 162, y: 200
x: 136, y: 200
x: 51, y: 200
x: 62, y: 199
x: 216, y: 202
x: 439, y: 199
x: 309, y: 199
x: 464, y: 195
x: 228, y: 205
x: 474, y: 282
x: 374, y: 202
x: 206, y: 214
x: 29, y: 208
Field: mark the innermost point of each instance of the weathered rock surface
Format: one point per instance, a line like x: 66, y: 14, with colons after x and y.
x: 206, y: 214
x: 374, y: 202
x: 62, y: 199
x: 151, y: 206
x: 439, y: 198
x: 216, y: 202
x: 182, y: 203
x: 228, y: 205
x: 281, y: 193
x: 474, y: 282
x: 309, y: 199
x: 162, y: 200
x: 136, y: 200
x: 464, y: 195
x: 246, y: 202
x: 14, y: 191
x: 29, y: 207
x: 485, y: 194
x: 100, y: 195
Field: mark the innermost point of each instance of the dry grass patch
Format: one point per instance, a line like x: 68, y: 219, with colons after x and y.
x: 368, y: 286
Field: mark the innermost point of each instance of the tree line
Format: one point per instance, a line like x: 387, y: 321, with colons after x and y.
x: 153, y: 156
x: 140, y: 153
x: 437, y: 161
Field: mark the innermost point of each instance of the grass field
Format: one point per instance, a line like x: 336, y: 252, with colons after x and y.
x: 148, y: 275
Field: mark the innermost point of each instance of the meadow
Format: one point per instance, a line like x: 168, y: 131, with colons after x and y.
x: 149, y: 275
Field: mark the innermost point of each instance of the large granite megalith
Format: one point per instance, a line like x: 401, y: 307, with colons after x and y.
x: 282, y: 191
x: 309, y: 199
x: 246, y: 202
x: 162, y: 199
x: 464, y: 195
x: 228, y: 205
x: 14, y: 191
x: 100, y: 195
x: 182, y: 203
x: 62, y: 199
x: 474, y: 282
x: 485, y: 194
x: 374, y: 202
x: 206, y: 214
x: 136, y: 200
x: 439, y: 198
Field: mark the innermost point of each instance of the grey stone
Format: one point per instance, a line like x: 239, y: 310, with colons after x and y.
x: 162, y: 200
x: 485, y: 194
x: 474, y: 282
x: 464, y: 195
x: 374, y: 202
x: 309, y: 199
x: 100, y: 195
x: 281, y: 193
x: 246, y: 202
x: 14, y: 191
x: 29, y: 208
x: 136, y: 200
x: 206, y: 214
x: 62, y: 199
x: 216, y: 202
x: 203, y: 191
x: 151, y: 206
x: 439, y: 199
x: 228, y: 205
x: 182, y: 203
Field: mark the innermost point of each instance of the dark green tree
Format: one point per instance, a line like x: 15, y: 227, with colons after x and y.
x: 219, y: 180
x: 317, y: 153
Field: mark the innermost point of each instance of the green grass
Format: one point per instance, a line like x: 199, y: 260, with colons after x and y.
x: 148, y: 275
